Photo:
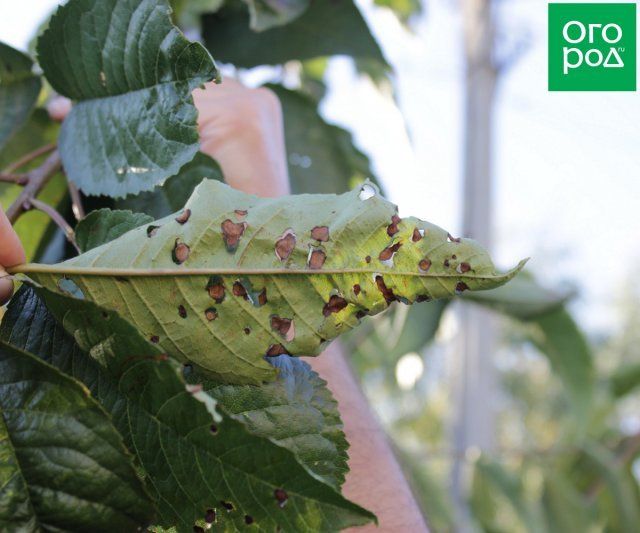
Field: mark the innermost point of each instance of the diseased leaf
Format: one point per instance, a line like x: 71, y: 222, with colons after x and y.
x: 213, y: 283
x: 194, y: 458
x: 63, y: 465
x: 104, y: 225
x: 19, y: 89
x: 173, y: 193
x: 321, y: 156
x: 132, y: 73
x: 325, y: 28
x: 267, y: 14
x: 297, y: 411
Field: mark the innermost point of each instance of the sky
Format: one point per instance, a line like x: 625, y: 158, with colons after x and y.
x: 567, y: 188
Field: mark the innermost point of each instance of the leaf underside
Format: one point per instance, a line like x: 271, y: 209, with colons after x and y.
x: 135, y: 123
x: 193, y: 458
x: 234, y: 277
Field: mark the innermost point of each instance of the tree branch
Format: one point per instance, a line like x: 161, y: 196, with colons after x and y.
x: 36, y: 180
x: 56, y: 217
x: 16, y: 179
x: 27, y: 158
x: 76, y: 201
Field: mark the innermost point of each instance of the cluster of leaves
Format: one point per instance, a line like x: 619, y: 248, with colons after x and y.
x: 130, y: 396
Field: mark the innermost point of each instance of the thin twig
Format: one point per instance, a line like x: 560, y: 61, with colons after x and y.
x: 56, y: 217
x: 16, y: 179
x: 27, y: 158
x: 37, y: 179
x: 76, y: 201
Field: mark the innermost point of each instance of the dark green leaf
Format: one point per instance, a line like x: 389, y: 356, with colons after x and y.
x: 298, y: 412
x: 174, y: 193
x: 625, y: 380
x: 104, y: 225
x: 193, y: 457
x: 132, y: 73
x: 566, y: 509
x: 326, y: 28
x: 63, y: 465
x: 19, y: 89
x: 321, y: 156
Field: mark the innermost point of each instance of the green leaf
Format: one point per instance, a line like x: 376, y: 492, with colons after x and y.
x: 193, y: 457
x: 235, y: 277
x: 524, y: 299
x: 625, y: 380
x: 558, y: 337
x: 174, y: 192
x: 63, y: 466
x: 19, y: 89
x: 132, y: 72
x: 566, y: 509
x: 325, y: 28
x: 33, y: 227
x: 267, y: 14
x: 321, y: 156
x: 298, y: 412
x: 104, y: 225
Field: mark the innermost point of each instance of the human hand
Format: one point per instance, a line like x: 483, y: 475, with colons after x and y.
x: 11, y: 253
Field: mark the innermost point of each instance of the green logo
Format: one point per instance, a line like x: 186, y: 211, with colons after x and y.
x: 592, y: 47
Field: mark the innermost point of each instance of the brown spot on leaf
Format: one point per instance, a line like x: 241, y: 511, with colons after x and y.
x: 463, y: 268
x: 248, y: 519
x: 183, y: 217
x: 446, y: 263
x: 334, y: 305
x: 275, y: 350
x: 262, y: 297
x: 461, y: 286
x: 367, y: 259
x: 198, y: 529
x: 210, y: 515
x: 392, y: 228
x: 388, y: 252
x: 387, y: 293
x: 320, y: 233
x: 356, y: 289
x: 453, y: 239
x: 423, y: 298
x: 154, y: 339
x: 285, y: 245
x: 239, y: 290
x: 284, y: 326
x: 316, y: 258
x: 182, y: 311
x: 281, y: 496
x: 424, y: 265
x: 180, y: 252
x: 215, y: 288
x: 247, y: 331
x: 417, y: 235
x: 152, y: 230
x: 211, y: 314
x: 361, y: 313
x: 240, y: 213
x: 231, y: 233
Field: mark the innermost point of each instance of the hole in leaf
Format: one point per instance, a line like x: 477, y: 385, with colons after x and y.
x: 367, y: 191
x: 453, y: 239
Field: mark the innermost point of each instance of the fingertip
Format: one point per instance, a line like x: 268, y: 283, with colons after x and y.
x: 59, y: 107
x: 6, y: 290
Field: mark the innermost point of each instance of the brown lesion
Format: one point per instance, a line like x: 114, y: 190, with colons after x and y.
x: 285, y: 245
x: 335, y: 304
x: 183, y: 217
x: 392, y: 228
x: 388, y: 252
x: 180, y: 252
x: 418, y: 234
x: 231, y: 233
x: 424, y: 264
x: 320, y: 233
x: 284, y: 326
x: 276, y: 349
x: 387, y: 293
x: 316, y: 259
x: 216, y: 289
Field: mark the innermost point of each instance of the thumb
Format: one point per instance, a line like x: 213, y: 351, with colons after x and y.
x: 6, y: 286
x: 11, y: 251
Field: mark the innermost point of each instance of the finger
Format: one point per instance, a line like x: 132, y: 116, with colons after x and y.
x: 6, y: 289
x: 58, y: 108
x: 11, y: 251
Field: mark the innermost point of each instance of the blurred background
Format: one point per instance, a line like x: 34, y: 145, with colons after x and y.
x: 512, y: 410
